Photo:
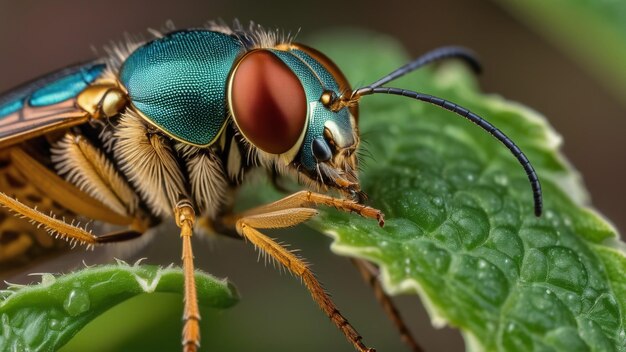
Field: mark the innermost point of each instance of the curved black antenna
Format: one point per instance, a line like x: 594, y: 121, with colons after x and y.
x: 484, y: 124
x: 445, y: 52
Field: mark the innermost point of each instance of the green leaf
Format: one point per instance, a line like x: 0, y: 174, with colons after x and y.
x: 45, y: 316
x: 592, y: 31
x: 460, y: 229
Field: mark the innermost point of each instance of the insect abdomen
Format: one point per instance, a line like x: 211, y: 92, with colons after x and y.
x: 20, y: 241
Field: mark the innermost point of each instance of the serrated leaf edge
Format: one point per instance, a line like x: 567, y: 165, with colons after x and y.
x: 437, y: 319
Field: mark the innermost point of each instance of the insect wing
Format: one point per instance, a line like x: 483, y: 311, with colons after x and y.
x: 46, y: 104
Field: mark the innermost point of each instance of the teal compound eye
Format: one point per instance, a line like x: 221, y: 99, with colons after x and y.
x: 268, y: 102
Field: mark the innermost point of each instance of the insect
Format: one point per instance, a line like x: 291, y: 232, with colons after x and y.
x: 170, y: 128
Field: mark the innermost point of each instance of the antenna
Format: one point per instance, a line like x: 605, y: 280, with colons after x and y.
x: 469, y: 58
x: 446, y: 52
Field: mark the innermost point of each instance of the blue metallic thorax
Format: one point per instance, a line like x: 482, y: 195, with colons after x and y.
x: 52, y: 89
x: 178, y: 83
x: 315, y: 79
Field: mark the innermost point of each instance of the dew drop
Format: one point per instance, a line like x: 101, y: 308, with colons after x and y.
x: 567, y: 221
x: 482, y: 264
x: 501, y: 179
x: 77, y: 302
x: 55, y: 324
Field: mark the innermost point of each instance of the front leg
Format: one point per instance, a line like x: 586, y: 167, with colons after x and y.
x: 290, y: 211
x: 247, y: 227
x: 308, y: 199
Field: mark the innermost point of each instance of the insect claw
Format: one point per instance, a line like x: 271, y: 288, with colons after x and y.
x: 381, y: 219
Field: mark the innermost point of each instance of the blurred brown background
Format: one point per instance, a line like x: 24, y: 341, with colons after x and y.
x: 276, y: 312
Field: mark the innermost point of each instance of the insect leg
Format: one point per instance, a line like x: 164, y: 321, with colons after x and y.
x: 310, y: 199
x: 247, y: 227
x: 59, y: 228
x: 370, y: 274
x: 185, y: 219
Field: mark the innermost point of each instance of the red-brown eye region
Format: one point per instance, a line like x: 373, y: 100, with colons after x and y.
x: 268, y: 102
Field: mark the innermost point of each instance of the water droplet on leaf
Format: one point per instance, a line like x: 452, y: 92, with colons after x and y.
x: 77, y: 302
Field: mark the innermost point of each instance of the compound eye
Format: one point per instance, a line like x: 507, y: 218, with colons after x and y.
x: 268, y: 102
